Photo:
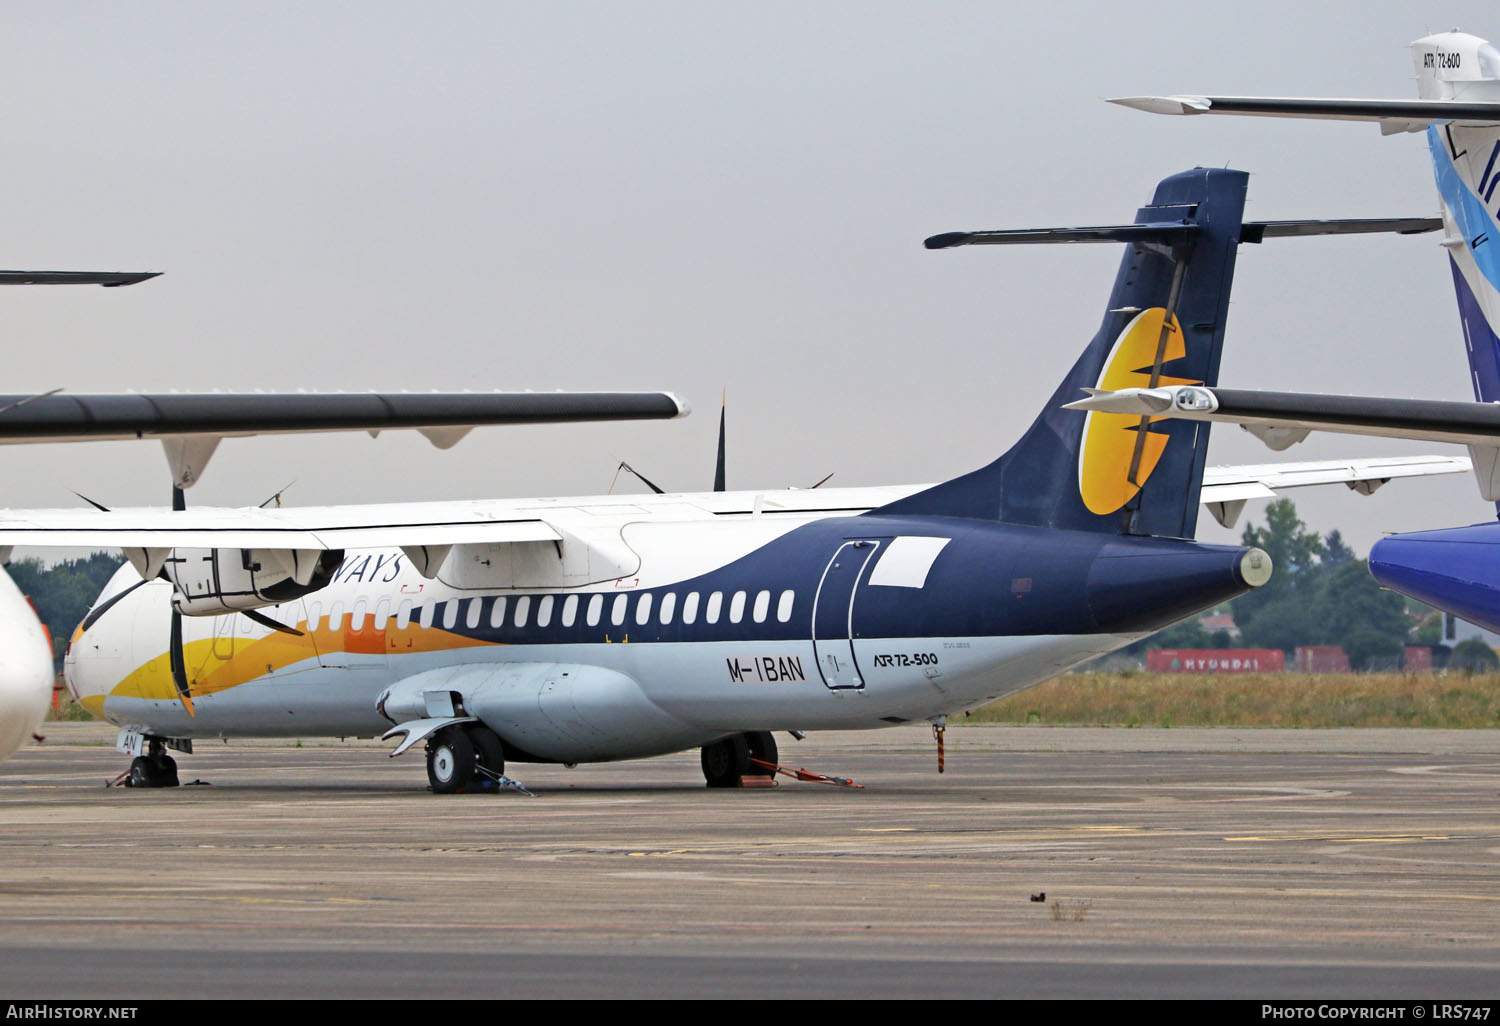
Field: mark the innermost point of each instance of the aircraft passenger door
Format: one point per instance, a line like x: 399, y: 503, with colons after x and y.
x: 833, y: 615
x: 224, y: 637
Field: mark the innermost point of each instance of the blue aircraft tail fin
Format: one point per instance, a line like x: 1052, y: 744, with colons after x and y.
x: 1466, y: 164
x: 1164, y: 324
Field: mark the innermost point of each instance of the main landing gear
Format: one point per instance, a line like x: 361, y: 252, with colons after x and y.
x: 465, y: 756
x: 727, y: 761
x: 154, y: 769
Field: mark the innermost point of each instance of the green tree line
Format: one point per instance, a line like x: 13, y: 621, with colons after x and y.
x: 63, y: 592
x: 1321, y: 593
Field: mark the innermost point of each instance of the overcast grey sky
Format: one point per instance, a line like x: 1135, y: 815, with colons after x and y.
x: 691, y: 196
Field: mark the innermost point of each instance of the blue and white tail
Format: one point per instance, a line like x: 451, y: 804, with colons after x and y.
x: 1454, y: 66
x: 1458, y: 106
x: 1164, y: 324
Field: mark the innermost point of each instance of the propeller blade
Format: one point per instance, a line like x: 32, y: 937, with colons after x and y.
x: 179, y: 665
x: 644, y: 479
x: 266, y: 621
x: 104, y: 607
x: 277, y: 497
x: 179, y: 661
x: 825, y: 480
x: 97, y: 505
x: 29, y: 399
x: 719, y: 463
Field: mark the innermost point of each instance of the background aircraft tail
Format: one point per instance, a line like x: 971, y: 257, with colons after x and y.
x: 1455, y: 66
x: 1164, y: 324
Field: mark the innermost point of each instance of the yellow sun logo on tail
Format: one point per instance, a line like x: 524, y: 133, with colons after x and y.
x: 1110, y: 439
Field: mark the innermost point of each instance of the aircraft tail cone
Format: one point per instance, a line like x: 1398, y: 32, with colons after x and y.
x: 1147, y: 584
x: 1452, y: 569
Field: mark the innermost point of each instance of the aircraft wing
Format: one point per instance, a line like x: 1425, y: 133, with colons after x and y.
x: 1294, y: 414
x: 109, y: 279
x: 64, y: 417
x: 1281, y: 419
x: 191, y: 424
x: 1227, y: 489
x: 348, y: 527
x: 426, y: 532
x: 1392, y: 115
x: 439, y: 526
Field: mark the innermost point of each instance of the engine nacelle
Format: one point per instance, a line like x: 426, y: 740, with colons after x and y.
x: 207, y: 582
x: 562, y: 712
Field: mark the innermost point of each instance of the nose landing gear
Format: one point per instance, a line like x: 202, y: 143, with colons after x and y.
x: 152, y: 768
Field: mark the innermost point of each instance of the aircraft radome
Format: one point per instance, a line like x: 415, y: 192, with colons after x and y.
x: 1458, y: 79
x: 608, y: 628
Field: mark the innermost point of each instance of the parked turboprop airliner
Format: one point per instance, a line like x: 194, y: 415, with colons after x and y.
x: 1458, y: 79
x: 609, y: 628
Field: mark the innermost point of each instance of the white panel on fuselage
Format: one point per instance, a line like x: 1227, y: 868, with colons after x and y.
x: 906, y: 562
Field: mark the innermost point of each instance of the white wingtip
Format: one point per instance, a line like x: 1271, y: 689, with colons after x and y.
x: 1141, y: 401
x: 1165, y: 104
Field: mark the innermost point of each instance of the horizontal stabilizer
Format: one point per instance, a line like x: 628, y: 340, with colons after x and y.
x: 1392, y: 115
x: 1255, y: 231
x: 1161, y: 231
x: 109, y: 279
x: 1169, y: 232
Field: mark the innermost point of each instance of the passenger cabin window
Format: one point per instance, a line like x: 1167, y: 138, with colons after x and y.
x: 382, y: 613
x: 523, y: 609
x: 668, y: 605
x: 784, y: 607
x: 596, y: 606
x: 762, y: 606
x: 617, y: 611
x: 403, y: 615
x: 314, y: 614
x: 737, y: 607
x: 357, y: 618
x: 336, y: 616
x: 428, y: 612
x: 476, y: 607
x: 450, y: 614
x: 715, y: 603
x: 497, y: 612
x: 544, y: 611
x: 643, y: 610
x: 570, y: 610
x: 690, y: 608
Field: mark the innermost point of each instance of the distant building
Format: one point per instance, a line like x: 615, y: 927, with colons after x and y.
x: 1219, y: 620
